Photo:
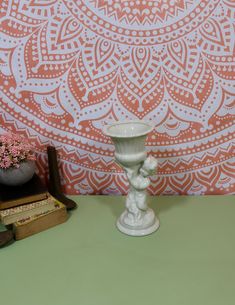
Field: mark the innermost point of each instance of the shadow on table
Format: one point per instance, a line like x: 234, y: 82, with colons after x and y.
x: 115, y: 203
x: 163, y: 203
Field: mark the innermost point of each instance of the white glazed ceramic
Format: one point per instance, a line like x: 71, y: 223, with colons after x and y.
x: 18, y: 176
x: 129, y: 140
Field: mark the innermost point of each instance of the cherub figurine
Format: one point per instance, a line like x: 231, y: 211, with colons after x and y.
x: 139, y: 181
x: 149, y: 167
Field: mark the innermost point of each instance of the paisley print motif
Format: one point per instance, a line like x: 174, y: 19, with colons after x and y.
x: 68, y: 67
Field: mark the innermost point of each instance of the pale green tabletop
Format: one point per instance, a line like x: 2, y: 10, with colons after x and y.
x: 190, y: 260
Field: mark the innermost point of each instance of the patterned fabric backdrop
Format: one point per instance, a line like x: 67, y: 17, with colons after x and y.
x: 67, y: 67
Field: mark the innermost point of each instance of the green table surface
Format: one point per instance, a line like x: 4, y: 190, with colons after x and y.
x: 190, y: 260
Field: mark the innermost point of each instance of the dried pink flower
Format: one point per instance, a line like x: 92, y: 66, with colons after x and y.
x: 13, y: 150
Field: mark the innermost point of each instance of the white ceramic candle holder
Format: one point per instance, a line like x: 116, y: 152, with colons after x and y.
x: 129, y: 140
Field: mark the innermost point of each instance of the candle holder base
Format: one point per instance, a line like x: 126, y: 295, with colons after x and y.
x: 148, y: 224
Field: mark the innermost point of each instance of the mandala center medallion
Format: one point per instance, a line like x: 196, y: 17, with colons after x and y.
x: 141, y: 22
x: 140, y: 13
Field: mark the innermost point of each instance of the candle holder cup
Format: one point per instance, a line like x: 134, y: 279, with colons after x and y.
x: 129, y: 141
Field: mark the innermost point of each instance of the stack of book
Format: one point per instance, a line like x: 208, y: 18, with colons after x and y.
x: 29, y: 208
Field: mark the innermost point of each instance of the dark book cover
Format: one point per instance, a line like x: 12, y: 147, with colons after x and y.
x: 33, y: 190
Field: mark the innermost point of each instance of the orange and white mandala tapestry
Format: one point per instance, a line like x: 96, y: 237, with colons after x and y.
x: 68, y: 67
